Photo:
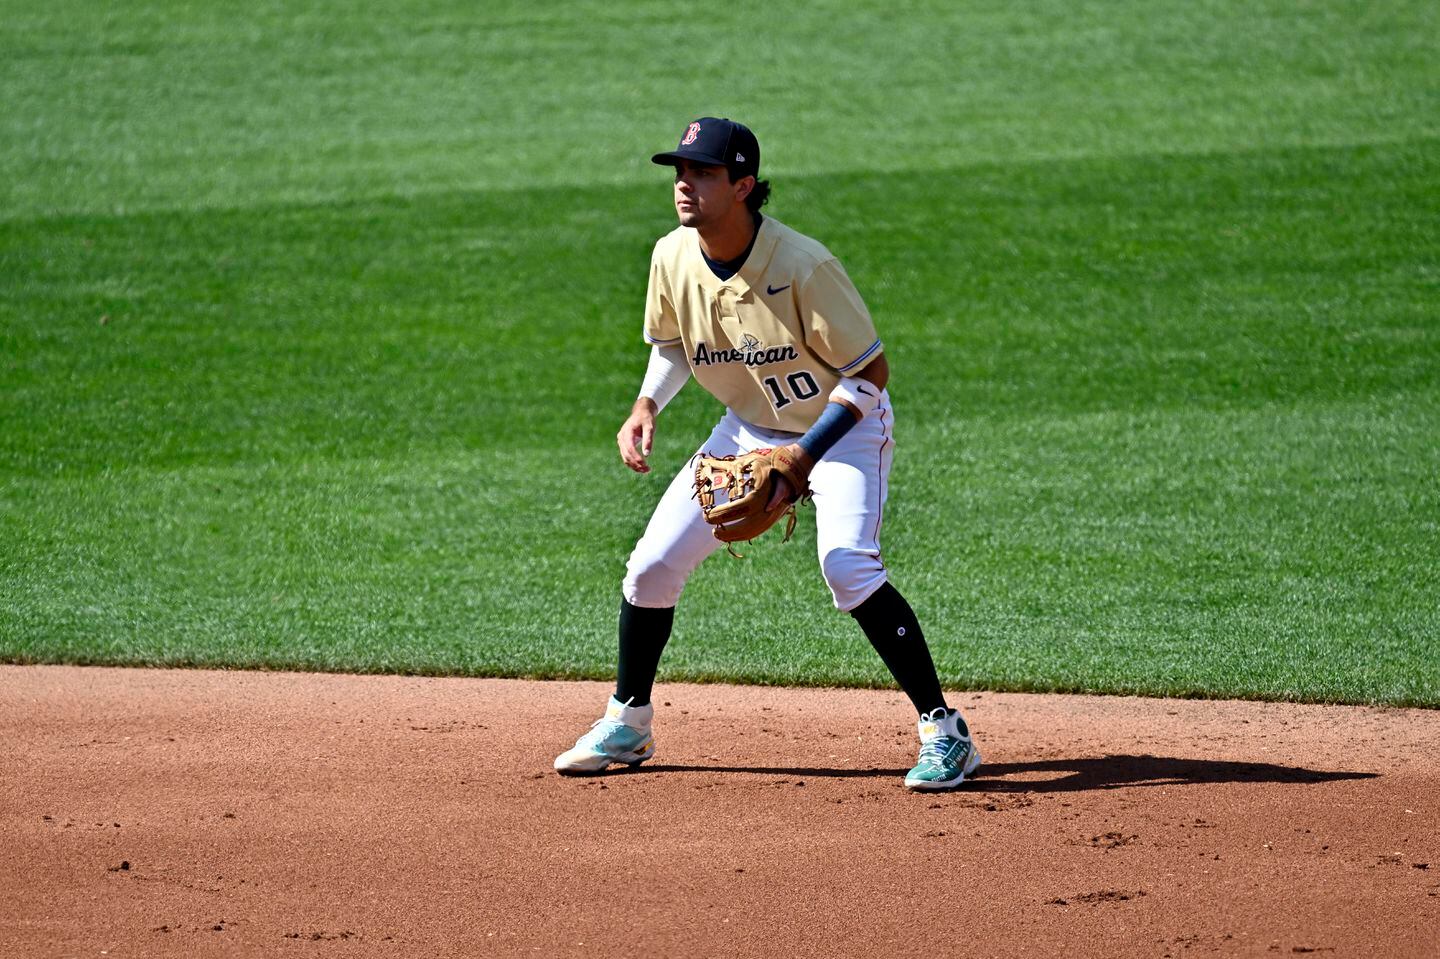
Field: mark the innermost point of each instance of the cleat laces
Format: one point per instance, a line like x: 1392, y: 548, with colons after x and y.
x: 936, y: 751
x: 600, y: 730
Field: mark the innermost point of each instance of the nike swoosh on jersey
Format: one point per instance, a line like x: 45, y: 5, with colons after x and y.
x: 772, y: 290
x: 864, y: 390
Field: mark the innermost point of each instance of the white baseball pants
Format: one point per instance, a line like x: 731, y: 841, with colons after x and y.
x: 848, y: 486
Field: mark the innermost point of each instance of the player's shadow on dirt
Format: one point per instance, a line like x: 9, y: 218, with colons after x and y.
x: 1115, y: 772
x: 1069, y: 775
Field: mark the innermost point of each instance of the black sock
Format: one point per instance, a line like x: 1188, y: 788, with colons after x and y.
x: 890, y: 625
x: 643, y: 635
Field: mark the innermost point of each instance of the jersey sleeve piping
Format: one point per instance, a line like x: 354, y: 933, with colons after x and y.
x: 871, y: 351
x: 654, y: 342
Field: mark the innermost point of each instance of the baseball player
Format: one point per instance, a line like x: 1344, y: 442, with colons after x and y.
x: 768, y: 322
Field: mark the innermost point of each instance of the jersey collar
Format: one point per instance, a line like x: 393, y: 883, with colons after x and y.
x: 755, y: 264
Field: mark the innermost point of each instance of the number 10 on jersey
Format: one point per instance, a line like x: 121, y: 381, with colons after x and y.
x: 802, y: 386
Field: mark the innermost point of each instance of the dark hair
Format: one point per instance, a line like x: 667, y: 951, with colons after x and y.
x: 758, y: 196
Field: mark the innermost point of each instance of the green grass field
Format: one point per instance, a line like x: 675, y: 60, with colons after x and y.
x: 317, y: 322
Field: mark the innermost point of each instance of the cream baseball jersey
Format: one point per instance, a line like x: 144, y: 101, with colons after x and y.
x: 772, y: 341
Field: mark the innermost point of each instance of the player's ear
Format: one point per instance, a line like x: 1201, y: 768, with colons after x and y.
x: 743, y: 186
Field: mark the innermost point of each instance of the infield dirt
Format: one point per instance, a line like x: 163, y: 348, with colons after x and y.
x: 190, y: 813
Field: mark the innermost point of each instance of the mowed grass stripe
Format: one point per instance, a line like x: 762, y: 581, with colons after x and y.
x: 163, y: 105
x: 372, y: 328
x: 1267, y: 553
x: 1165, y: 426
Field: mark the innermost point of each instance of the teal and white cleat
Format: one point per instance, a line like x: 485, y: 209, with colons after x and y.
x: 947, y: 755
x: 622, y: 735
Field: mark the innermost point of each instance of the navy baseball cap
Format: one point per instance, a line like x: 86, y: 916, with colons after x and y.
x: 718, y: 142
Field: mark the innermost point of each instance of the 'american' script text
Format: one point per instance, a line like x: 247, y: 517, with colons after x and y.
x: 756, y: 357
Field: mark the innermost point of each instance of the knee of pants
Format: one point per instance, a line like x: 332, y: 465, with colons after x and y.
x: 852, y: 575
x: 650, y: 582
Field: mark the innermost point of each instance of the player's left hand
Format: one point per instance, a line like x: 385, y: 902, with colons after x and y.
x: 784, y: 492
x: 736, y: 491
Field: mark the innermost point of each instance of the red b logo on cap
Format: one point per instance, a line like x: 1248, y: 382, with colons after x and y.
x: 692, y: 133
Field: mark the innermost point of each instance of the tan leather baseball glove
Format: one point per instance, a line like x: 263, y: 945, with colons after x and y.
x: 747, y: 483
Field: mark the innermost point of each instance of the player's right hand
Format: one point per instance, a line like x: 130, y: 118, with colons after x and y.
x: 637, y: 434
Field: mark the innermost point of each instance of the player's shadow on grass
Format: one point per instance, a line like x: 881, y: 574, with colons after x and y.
x: 1066, y: 775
